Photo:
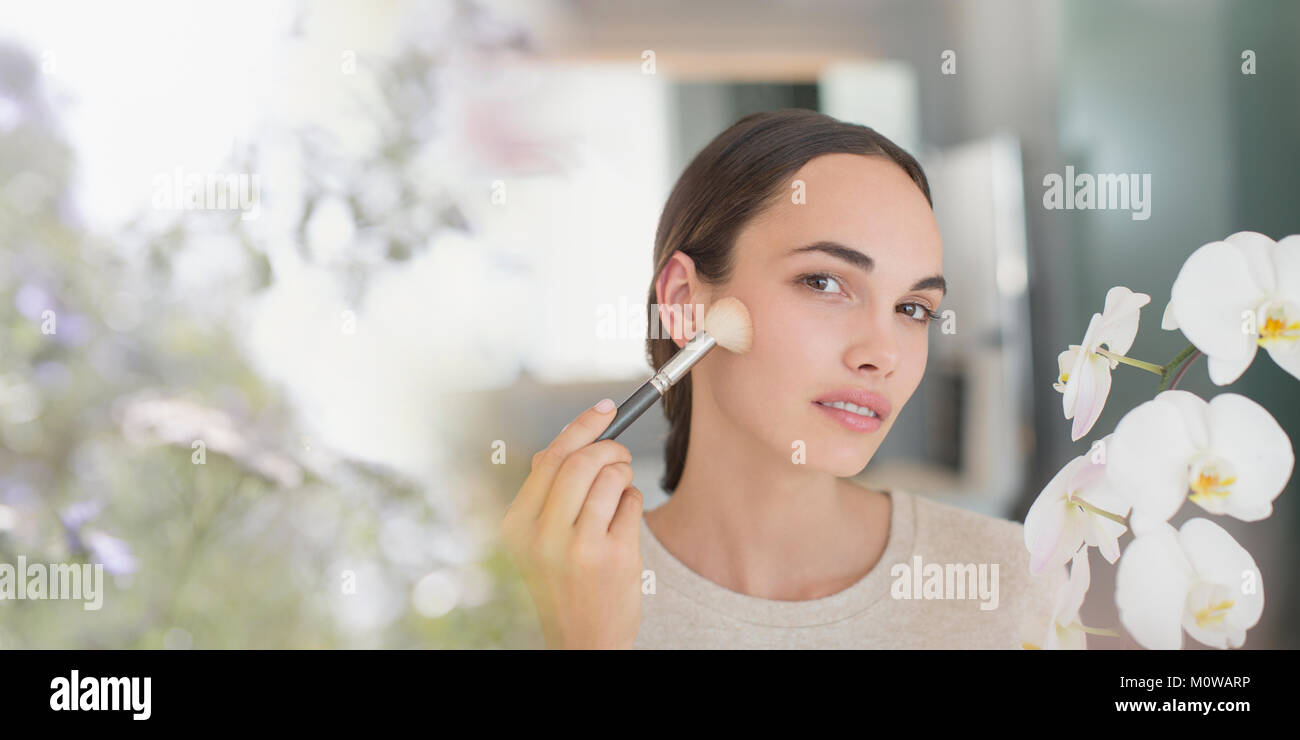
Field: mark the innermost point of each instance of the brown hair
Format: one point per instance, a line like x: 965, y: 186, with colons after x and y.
x: 729, y: 182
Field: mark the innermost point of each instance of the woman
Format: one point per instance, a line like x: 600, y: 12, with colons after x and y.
x: 824, y: 230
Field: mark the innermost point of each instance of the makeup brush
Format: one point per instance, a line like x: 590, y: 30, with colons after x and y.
x: 725, y: 323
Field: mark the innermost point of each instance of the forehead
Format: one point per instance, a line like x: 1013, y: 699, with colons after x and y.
x: 867, y: 203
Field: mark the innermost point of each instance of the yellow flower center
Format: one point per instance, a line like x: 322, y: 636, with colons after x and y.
x: 1209, y: 603
x: 1211, y: 482
x: 1213, y: 614
x: 1279, y: 323
x: 1206, y: 486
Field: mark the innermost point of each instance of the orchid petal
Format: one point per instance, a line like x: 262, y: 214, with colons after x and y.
x: 1169, y: 321
x: 1072, y: 639
x: 1257, y: 250
x: 1286, y: 267
x: 1071, y: 600
x: 1120, y: 318
x: 1288, y: 359
x: 1050, y: 536
x: 1105, y: 537
x: 1087, y: 474
x: 1286, y: 262
x: 1044, y: 531
x: 1151, y: 587
x: 1194, y: 411
x: 1066, y: 362
x: 1212, y: 290
x: 1219, y: 559
x: 1070, y: 400
x: 1246, y: 435
x: 1094, y: 387
x: 1225, y: 370
x: 1149, y: 457
x: 1141, y: 523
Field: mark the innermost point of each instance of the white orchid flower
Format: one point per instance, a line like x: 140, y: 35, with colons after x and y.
x: 1234, y: 296
x: 1196, y: 579
x: 1085, y: 368
x: 1062, y: 630
x: 1229, y: 456
x: 1066, y: 514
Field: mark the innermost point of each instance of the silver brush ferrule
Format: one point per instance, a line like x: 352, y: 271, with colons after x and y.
x: 681, y: 363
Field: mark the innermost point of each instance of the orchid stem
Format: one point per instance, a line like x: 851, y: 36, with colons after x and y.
x: 1172, y: 373
x: 1089, y: 507
x: 1183, y: 370
x: 1150, y: 367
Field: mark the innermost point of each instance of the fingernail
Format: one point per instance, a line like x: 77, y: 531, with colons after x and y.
x: 605, y: 405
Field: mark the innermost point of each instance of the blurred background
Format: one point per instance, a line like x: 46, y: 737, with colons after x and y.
x: 291, y: 292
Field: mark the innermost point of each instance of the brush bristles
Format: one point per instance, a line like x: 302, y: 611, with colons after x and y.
x: 727, y: 321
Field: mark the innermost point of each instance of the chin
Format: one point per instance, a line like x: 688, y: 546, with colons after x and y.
x: 846, y: 465
x: 836, y: 456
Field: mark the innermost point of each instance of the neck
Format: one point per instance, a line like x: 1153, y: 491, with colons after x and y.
x: 759, y: 524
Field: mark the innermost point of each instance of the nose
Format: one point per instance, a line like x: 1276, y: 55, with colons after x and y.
x: 875, y: 350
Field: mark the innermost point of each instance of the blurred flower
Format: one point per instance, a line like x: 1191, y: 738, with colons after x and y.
x: 1085, y: 372
x: 31, y: 300
x: 1233, y: 296
x: 182, y: 422
x: 1064, y: 516
x: 1230, y: 453
x: 1196, y: 579
x: 113, y: 553
x: 71, y: 329
x: 52, y: 374
x: 435, y: 594
x: 10, y: 114
x: 19, y: 400
x: 75, y: 516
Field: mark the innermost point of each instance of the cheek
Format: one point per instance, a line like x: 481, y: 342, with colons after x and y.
x: 790, y: 344
x: 772, y: 386
x: 761, y: 384
x: 915, y: 356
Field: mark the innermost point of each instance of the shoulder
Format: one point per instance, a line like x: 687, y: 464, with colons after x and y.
x: 949, y: 533
x: 952, y: 527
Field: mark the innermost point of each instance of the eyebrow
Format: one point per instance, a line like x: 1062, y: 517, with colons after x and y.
x: 865, y: 263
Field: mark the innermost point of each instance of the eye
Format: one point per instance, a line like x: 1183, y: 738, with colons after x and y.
x: 918, y: 312
x: 816, y: 280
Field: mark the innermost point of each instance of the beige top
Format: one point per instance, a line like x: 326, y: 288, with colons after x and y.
x: 926, y: 592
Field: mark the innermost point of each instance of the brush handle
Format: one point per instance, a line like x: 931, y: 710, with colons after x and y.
x: 654, y: 388
x: 630, y: 409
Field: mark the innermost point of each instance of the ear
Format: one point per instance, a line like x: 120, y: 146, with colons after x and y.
x: 681, y: 298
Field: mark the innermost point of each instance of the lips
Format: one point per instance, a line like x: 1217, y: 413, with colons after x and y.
x: 878, y: 404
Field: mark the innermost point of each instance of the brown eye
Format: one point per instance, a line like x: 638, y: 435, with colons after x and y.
x: 816, y: 282
x: 919, y: 313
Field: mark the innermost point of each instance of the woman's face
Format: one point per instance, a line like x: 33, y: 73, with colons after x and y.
x: 848, y: 314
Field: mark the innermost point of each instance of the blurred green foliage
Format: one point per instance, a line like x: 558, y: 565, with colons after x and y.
x: 101, y: 404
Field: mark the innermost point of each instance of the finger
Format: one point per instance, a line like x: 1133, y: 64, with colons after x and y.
x: 575, y: 479
x: 579, y: 433
x: 626, y: 526
x: 602, y: 500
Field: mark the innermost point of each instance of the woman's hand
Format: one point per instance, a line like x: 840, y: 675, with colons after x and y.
x: 573, y: 531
